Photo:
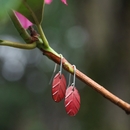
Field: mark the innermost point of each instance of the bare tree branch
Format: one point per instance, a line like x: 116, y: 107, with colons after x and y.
x: 100, y: 89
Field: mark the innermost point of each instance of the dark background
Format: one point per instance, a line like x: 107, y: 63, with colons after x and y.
x: 94, y: 36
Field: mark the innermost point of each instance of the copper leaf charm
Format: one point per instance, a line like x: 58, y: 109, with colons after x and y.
x: 72, y: 101
x: 58, y: 87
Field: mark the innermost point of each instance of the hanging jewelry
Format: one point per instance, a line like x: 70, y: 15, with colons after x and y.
x: 72, y: 97
x: 58, y: 85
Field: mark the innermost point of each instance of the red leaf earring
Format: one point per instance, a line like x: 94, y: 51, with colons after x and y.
x: 58, y: 85
x: 72, y: 98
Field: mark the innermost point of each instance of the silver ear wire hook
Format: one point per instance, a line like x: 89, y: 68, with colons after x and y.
x: 73, y: 84
x: 56, y: 68
x: 53, y: 73
x: 61, y: 64
x: 69, y: 80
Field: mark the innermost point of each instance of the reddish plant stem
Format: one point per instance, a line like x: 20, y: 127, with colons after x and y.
x: 100, y: 89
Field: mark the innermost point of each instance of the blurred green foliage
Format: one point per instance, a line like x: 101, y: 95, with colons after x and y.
x: 36, y: 8
x: 5, y: 5
x: 93, y: 35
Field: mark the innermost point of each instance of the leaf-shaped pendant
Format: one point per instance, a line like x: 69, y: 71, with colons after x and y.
x: 72, y: 101
x: 58, y: 87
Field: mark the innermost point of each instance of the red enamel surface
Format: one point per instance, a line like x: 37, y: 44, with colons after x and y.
x: 72, y: 101
x: 58, y: 87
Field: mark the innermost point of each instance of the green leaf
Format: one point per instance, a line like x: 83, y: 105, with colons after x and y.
x: 32, y: 9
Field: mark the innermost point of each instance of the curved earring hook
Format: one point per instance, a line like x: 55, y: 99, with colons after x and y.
x: 56, y: 68
x: 53, y: 73
x: 73, y: 84
x: 61, y: 64
x: 69, y: 80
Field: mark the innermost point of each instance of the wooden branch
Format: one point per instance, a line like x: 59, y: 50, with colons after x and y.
x: 100, y: 89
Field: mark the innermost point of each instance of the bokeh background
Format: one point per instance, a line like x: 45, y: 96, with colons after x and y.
x: 93, y: 35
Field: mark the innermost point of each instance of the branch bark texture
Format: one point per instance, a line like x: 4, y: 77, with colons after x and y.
x: 100, y: 89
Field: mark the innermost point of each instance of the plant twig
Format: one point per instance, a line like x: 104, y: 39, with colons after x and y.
x: 50, y: 53
x: 100, y: 89
x: 18, y: 45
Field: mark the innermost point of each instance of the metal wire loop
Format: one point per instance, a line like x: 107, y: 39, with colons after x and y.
x: 53, y: 73
x: 61, y: 64
x: 69, y: 80
x: 74, y: 77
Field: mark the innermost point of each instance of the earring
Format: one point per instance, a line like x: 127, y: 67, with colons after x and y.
x: 58, y: 85
x: 72, y: 97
